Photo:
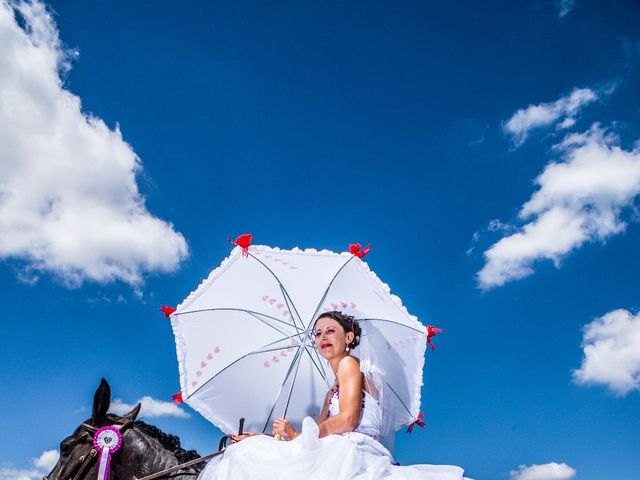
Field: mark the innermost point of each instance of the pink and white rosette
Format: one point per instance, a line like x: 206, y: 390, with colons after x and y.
x: 106, y: 440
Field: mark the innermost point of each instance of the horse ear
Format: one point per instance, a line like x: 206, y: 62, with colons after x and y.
x: 101, y: 401
x: 133, y: 413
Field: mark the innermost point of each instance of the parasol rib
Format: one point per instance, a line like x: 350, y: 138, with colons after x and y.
x: 293, y: 382
x: 253, y: 352
x: 326, y: 292
x: 324, y: 296
x: 250, y: 312
x: 320, y: 369
x: 290, y: 304
x: 398, y: 397
x: 267, y: 323
x: 272, y: 350
x: 314, y: 350
x: 291, y: 307
x: 286, y: 377
x: 389, y: 321
x: 284, y: 290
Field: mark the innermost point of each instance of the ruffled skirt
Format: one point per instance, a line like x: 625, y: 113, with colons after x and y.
x: 350, y: 456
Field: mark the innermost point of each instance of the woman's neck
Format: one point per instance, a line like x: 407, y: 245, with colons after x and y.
x: 334, y: 362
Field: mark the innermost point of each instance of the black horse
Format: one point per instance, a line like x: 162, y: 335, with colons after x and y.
x: 145, y: 449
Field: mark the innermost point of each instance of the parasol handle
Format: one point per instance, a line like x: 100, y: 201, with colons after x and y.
x: 225, y: 438
x: 223, y: 442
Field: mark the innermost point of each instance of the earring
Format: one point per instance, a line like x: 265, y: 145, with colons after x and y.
x: 347, y: 349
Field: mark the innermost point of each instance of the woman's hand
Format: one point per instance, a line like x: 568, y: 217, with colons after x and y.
x: 238, y: 438
x: 283, y: 428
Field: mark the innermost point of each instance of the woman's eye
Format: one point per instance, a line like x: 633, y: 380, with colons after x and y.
x: 317, y: 334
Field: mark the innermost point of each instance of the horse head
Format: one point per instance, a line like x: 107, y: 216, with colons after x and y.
x: 145, y: 449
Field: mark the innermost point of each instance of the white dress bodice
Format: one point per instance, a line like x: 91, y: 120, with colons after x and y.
x: 370, y: 413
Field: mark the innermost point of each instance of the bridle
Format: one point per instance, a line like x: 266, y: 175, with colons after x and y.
x: 87, y: 460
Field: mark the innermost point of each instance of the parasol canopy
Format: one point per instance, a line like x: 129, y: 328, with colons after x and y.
x: 244, y: 342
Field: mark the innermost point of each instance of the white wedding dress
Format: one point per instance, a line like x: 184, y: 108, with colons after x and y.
x: 355, y: 455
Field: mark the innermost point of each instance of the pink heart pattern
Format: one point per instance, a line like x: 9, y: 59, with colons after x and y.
x: 334, y: 306
x: 275, y: 303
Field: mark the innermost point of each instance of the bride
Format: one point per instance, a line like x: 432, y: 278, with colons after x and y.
x: 344, y: 443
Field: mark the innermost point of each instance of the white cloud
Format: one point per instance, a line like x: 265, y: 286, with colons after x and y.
x: 547, y: 471
x: 564, y: 7
x: 562, y: 111
x: 566, y: 123
x: 580, y: 199
x: 43, y: 465
x: 611, y: 347
x: 10, y: 473
x: 151, y: 407
x: 47, y: 460
x: 69, y: 201
x: 496, y: 225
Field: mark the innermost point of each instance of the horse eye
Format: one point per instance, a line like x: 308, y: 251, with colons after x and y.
x: 65, y: 449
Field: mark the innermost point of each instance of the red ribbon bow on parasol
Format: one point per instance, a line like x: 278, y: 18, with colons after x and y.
x: 431, y: 332
x: 418, y: 421
x: 243, y: 241
x: 354, y: 248
x: 167, y: 310
x: 177, y: 398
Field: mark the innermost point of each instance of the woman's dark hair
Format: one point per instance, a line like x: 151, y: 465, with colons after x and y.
x: 349, y: 323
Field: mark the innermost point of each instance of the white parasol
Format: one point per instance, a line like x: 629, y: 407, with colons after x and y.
x: 244, y: 345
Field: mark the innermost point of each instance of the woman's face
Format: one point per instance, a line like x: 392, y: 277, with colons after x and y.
x: 331, y: 339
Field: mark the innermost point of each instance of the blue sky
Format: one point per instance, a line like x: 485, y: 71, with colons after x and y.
x: 487, y: 152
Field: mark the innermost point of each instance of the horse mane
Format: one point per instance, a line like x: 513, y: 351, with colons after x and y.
x: 170, y: 442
